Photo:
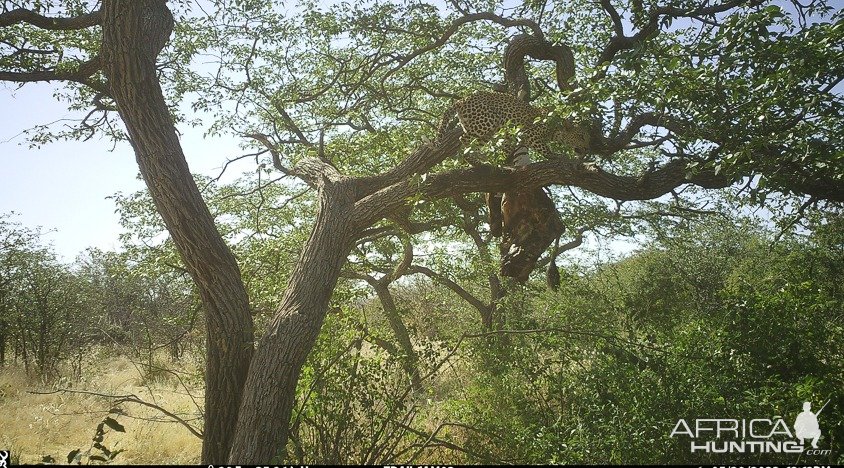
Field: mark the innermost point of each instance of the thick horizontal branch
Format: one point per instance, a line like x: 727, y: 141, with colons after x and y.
x: 646, y: 186
x: 22, y: 15
x: 821, y: 188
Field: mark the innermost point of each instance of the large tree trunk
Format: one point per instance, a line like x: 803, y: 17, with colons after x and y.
x: 261, y: 434
x: 133, y: 34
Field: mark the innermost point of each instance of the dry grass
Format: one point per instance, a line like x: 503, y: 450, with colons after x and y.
x: 37, y: 425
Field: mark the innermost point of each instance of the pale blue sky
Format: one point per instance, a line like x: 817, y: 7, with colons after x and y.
x: 64, y: 185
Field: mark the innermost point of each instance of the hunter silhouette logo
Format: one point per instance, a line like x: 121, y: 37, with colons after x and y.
x: 4, y: 458
x: 806, y: 425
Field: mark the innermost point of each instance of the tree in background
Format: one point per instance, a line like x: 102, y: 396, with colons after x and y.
x: 40, y: 302
x: 141, y: 308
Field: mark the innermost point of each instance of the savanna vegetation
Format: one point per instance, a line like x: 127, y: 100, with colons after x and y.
x: 345, y: 302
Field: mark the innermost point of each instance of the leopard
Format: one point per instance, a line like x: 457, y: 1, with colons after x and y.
x: 481, y: 115
x: 484, y: 113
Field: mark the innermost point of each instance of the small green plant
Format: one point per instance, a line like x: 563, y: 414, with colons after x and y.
x: 98, y: 452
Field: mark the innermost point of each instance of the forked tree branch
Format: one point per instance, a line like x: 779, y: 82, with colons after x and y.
x: 620, y: 42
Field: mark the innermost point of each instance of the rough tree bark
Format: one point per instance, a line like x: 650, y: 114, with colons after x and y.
x: 133, y: 34
x: 261, y: 432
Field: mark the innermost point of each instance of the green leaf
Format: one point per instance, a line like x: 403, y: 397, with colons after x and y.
x: 72, y: 455
x: 114, y: 425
